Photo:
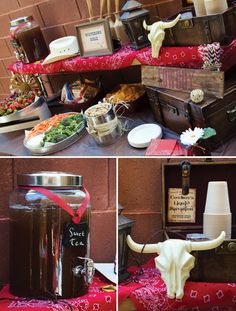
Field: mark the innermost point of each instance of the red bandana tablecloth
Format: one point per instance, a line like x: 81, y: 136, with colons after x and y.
x: 150, y: 293
x: 169, y: 56
x: 95, y: 300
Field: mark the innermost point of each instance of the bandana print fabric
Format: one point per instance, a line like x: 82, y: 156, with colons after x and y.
x: 198, y: 296
x: 95, y: 300
x: 187, y: 57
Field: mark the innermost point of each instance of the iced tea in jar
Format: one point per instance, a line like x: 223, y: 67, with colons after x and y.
x: 49, y: 236
x: 27, y: 39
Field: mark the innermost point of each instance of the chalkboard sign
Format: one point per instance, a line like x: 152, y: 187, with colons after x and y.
x: 75, y: 235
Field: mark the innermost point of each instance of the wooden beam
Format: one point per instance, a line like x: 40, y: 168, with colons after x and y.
x: 184, y: 79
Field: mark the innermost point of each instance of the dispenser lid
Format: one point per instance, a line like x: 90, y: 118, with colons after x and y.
x: 20, y: 20
x: 50, y: 179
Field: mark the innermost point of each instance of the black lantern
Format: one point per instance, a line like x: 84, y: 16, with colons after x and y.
x: 125, y: 225
x: 133, y: 18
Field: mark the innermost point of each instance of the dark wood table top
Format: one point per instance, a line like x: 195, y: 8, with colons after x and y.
x: 11, y: 144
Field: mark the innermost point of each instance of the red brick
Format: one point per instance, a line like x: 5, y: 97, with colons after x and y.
x: 56, y: 12
x: 95, y: 172
x: 5, y: 185
x: 24, y: 3
x: 53, y: 33
x: 10, y: 47
x: 3, y: 71
x: 7, y: 62
x: 103, y: 236
x: 4, y: 51
x: 32, y: 10
x: 140, y: 184
x: 83, y: 9
x: 70, y: 28
x: 4, y: 250
x: 5, y: 25
x: 8, y: 5
x: 112, y: 182
x: 5, y: 85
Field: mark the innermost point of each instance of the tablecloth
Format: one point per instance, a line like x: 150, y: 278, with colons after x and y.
x: 95, y: 300
x: 149, y: 293
x: 169, y: 56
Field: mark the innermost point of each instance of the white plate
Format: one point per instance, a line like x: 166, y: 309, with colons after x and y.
x: 141, y: 136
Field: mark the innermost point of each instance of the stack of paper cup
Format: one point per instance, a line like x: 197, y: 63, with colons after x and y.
x: 199, y: 6
x: 215, y: 6
x: 217, y: 216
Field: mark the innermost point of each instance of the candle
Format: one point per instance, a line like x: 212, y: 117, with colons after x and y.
x: 199, y: 6
x: 215, y: 6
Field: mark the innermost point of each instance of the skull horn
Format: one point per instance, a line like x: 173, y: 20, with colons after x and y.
x: 201, y: 246
x: 142, y: 248
x: 171, y: 24
x: 147, y: 27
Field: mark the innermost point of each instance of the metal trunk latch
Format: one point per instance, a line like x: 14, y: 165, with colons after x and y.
x: 232, y: 114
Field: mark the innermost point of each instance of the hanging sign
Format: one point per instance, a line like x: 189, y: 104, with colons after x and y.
x: 181, y: 208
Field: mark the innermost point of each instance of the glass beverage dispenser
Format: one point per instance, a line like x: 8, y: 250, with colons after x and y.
x: 49, y: 236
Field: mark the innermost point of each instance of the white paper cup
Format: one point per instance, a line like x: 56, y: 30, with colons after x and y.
x: 217, y: 200
x: 215, y: 6
x: 199, y: 6
x: 214, y: 224
x: 217, y: 216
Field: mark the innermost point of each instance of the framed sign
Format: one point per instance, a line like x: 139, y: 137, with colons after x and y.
x: 181, y: 208
x: 95, y: 38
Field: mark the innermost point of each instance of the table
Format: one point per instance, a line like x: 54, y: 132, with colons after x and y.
x: 149, y: 293
x: 11, y: 144
x: 94, y: 300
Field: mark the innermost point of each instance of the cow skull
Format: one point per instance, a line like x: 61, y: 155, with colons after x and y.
x: 175, y: 261
x: 157, y: 34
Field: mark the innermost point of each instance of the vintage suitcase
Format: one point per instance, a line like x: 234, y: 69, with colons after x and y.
x: 218, y: 265
x: 192, y: 30
x: 174, y: 110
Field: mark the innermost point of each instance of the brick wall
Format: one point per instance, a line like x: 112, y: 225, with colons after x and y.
x: 99, y: 179
x: 140, y: 193
x: 57, y: 18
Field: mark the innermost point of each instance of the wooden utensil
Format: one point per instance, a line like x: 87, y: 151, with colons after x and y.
x: 119, y: 26
x: 111, y: 23
x: 90, y: 9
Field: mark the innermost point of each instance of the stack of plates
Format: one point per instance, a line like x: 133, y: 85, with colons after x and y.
x: 141, y: 136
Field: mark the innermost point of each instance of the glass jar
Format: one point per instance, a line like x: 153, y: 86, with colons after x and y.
x: 49, y: 253
x: 28, y: 40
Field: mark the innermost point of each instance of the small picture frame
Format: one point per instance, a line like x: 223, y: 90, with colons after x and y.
x: 95, y: 38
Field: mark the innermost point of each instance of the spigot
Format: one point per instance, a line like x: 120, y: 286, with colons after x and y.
x: 186, y: 167
x: 87, y: 271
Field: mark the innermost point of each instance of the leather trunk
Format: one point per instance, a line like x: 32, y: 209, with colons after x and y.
x: 192, y: 30
x: 217, y: 265
x: 174, y: 110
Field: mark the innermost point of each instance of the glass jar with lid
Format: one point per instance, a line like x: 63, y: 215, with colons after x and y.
x: 27, y: 39
x: 49, y: 236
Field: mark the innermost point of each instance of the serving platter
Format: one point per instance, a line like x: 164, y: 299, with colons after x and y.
x: 50, y: 148
x: 25, y: 118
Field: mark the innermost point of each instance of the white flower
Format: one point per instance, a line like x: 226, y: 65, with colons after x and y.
x: 190, y: 137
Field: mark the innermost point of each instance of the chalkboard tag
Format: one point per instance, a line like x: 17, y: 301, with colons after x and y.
x: 75, y: 235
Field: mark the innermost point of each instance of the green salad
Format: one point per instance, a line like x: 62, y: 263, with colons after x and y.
x: 64, y: 129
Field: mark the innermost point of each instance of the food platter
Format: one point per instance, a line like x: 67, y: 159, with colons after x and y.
x: 19, y: 112
x: 47, y: 147
x: 24, y: 113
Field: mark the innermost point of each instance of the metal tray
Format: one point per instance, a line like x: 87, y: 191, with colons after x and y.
x: 24, y: 113
x: 58, y: 146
